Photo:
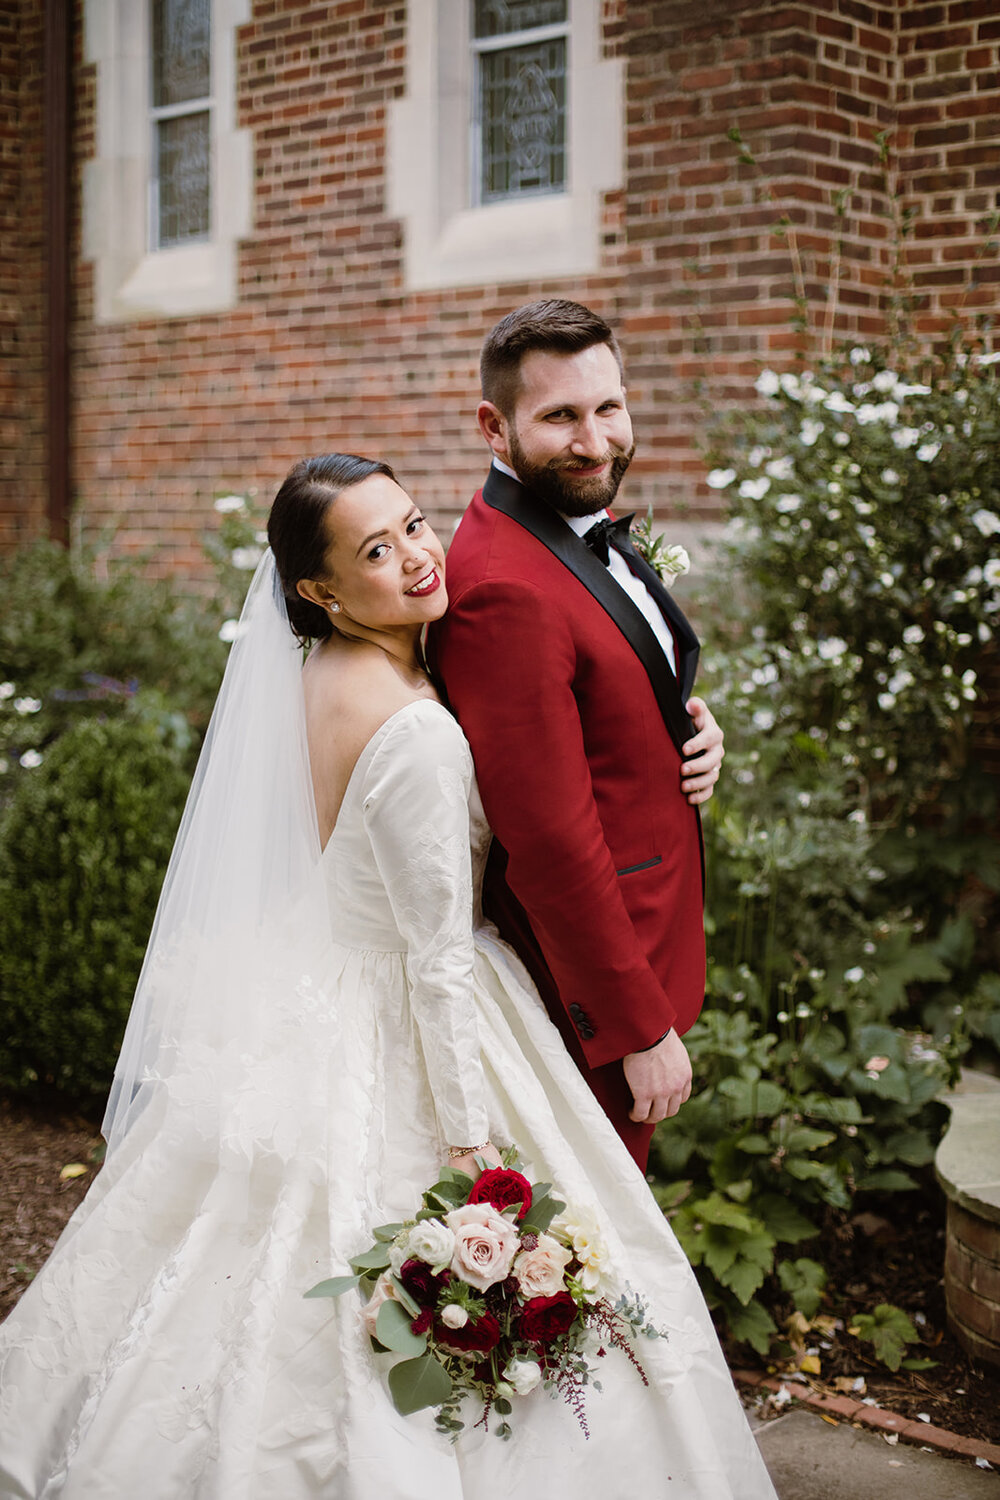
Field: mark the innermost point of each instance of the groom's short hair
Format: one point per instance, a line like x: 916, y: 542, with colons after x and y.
x: 553, y: 326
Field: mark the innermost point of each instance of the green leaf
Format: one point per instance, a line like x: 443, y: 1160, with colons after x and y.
x: 919, y: 1364
x: 743, y: 1279
x: 804, y: 1280
x: 387, y: 1232
x: 543, y: 1210
x: 334, y: 1287
x: 416, y: 1383
x: 783, y: 1219
x: 888, y: 1329
x: 752, y: 1325
x: 393, y: 1331
x: 375, y: 1259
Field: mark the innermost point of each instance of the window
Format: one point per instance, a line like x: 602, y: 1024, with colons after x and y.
x: 519, y: 53
x: 508, y: 134
x: 182, y: 118
x: 169, y: 193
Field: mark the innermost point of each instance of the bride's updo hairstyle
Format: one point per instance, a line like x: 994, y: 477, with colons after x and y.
x: 299, y: 534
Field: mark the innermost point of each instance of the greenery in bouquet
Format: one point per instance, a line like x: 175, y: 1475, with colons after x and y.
x: 492, y: 1290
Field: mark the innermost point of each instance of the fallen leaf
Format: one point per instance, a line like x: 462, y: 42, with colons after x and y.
x: 892, y: 1438
x: 810, y: 1363
x: 827, y: 1418
x: 73, y: 1169
x: 850, y: 1385
x: 895, y: 1463
x: 922, y: 1416
x: 983, y: 1463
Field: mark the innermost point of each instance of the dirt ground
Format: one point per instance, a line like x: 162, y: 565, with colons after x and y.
x: 892, y: 1252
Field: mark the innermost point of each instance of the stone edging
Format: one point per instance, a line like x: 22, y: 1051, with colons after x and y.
x: 850, y: 1409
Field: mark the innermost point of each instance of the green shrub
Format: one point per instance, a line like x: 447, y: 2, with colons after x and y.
x: 83, y: 848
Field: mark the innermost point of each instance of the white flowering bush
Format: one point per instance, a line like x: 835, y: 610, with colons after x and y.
x: 850, y: 865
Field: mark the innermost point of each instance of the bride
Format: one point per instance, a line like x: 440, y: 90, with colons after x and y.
x: 323, y: 1017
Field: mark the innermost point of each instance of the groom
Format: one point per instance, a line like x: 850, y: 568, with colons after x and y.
x: 570, y: 667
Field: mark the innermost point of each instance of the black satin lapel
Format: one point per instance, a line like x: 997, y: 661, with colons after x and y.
x: 509, y: 496
x: 688, y: 645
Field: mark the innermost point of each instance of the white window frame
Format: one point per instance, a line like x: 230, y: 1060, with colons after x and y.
x: 132, y: 278
x: 450, y: 240
x: 158, y: 115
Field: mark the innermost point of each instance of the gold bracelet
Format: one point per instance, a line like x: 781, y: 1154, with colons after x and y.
x: 455, y: 1151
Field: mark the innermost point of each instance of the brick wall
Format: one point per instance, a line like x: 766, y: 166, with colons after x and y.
x: 22, y: 328
x: 327, y: 349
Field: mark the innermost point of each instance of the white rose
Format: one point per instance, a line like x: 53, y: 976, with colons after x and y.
x: 432, y: 1242
x: 540, y: 1271
x: 522, y: 1375
x: 454, y: 1316
x: 485, y: 1244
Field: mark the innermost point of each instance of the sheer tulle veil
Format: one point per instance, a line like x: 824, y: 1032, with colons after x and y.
x: 242, y: 906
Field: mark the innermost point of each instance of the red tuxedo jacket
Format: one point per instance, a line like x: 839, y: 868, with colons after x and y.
x: 576, y: 722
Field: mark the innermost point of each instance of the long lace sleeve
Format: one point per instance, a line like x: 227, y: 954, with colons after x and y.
x: 416, y: 808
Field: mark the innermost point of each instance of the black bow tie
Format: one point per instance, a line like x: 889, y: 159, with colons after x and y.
x: 607, y: 531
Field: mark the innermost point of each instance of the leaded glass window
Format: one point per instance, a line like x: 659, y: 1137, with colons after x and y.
x: 520, y: 49
x: 182, y: 116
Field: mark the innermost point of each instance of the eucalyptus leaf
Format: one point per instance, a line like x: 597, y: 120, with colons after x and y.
x: 416, y: 1383
x: 375, y: 1259
x: 334, y: 1286
x: 392, y: 1329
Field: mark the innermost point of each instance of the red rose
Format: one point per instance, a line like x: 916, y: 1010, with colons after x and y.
x: 425, y: 1318
x: 502, y: 1187
x: 546, y: 1319
x: 421, y: 1283
x: 480, y: 1336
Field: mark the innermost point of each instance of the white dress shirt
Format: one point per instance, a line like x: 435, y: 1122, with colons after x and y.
x: 623, y: 575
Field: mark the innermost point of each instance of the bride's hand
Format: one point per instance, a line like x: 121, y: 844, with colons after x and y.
x: 467, y: 1161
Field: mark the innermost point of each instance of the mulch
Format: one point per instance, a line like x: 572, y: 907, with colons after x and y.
x: 891, y: 1251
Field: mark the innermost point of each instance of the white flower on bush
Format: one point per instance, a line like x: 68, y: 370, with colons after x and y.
x: 991, y: 572
x: 230, y: 505
x: 831, y: 649
x: 889, y: 476
x: 885, y: 381
x: 810, y: 431
x: 788, y: 503
x: 27, y: 705
x: 900, y: 680
x: 31, y: 760
x: 859, y: 355
x: 762, y: 676
x: 886, y: 701
x: 790, y: 384
x: 231, y: 630
x: 432, y: 1242
x: 540, y: 1271
x: 767, y: 383
x: 522, y: 1375
x: 245, y: 558
x: 780, y: 468
x: 855, y: 975
x: 485, y: 1244
x: 928, y: 451
x: 913, y: 635
x: 838, y: 403
x: 718, y: 479
x: 905, y: 437
x: 990, y: 359
x: 757, y: 455
x: 454, y: 1316
x: 755, y: 489
x: 7, y: 690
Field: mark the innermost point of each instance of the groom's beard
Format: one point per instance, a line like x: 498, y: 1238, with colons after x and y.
x: 571, y: 497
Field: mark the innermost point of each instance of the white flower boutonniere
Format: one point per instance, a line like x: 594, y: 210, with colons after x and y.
x: 668, y: 562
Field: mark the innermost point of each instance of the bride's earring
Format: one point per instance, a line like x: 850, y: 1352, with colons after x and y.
x: 334, y: 607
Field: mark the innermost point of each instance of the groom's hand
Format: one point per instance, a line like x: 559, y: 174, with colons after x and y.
x: 702, y: 754
x: 660, y: 1080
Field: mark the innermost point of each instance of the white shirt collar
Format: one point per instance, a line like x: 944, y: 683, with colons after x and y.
x: 580, y: 524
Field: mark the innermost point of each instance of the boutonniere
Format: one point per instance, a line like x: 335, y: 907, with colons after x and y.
x: 668, y: 562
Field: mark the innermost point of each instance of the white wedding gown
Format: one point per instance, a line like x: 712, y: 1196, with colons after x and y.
x: 166, y: 1351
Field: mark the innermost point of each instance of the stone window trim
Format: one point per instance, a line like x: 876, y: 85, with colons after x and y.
x: 448, y: 240
x: 132, y: 280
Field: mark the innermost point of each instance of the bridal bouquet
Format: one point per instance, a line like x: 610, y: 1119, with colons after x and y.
x: 494, y: 1288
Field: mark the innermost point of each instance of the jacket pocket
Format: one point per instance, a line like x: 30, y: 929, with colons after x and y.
x: 647, y: 864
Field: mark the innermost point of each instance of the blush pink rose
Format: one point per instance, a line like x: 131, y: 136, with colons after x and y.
x: 540, y: 1271
x: 485, y: 1244
x: 384, y: 1291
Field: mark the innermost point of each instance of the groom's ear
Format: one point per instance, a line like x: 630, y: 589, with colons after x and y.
x: 493, y: 426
